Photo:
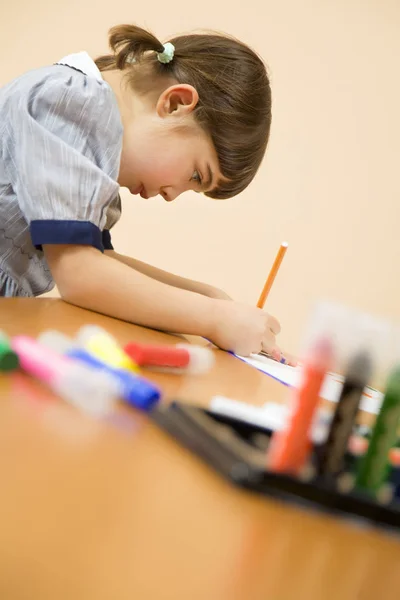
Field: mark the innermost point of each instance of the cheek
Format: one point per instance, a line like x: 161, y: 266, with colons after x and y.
x: 125, y: 161
x: 168, y: 170
x: 156, y: 163
x: 160, y: 168
x: 175, y: 163
x: 127, y: 165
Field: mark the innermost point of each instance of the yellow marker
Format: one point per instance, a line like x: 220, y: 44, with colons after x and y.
x: 103, y: 346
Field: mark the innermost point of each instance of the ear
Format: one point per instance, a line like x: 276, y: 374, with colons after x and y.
x: 178, y: 100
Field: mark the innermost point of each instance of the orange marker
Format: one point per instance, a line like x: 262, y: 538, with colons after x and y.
x: 291, y: 447
x: 272, y: 274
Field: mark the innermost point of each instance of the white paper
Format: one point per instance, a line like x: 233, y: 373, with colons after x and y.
x: 271, y: 416
x: 370, y: 402
x: 283, y: 373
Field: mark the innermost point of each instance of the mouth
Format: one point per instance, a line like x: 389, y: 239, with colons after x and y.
x: 140, y: 190
x: 143, y: 192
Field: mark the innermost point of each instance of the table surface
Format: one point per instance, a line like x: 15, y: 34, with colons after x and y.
x: 116, y: 509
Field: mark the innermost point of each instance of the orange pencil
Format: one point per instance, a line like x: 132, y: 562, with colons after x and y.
x: 290, y: 447
x: 272, y: 274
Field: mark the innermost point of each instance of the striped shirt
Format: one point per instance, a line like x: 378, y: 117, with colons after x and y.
x: 60, y: 149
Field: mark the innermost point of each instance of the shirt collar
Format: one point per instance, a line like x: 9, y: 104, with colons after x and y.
x: 83, y: 62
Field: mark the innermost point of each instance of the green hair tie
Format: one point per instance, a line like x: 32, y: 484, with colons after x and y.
x: 167, y: 54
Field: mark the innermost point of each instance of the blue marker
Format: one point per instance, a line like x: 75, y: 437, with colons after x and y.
x: 136, y: 390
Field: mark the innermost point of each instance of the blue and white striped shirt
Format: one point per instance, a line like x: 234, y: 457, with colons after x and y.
x: 60, y: 149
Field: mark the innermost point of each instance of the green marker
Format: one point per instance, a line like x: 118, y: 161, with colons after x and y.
x: 375, y: 466
x: 8, y: 358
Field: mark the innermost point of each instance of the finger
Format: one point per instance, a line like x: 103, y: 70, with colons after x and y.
x: 273, y: 325
x: 286, y: 359
x: 290, y: 360
x: 276, y: 354
x: 269, y: 343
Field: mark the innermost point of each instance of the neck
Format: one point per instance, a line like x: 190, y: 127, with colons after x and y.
x: 129, y: 103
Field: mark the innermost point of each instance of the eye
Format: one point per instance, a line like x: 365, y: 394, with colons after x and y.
x: 197, y: 177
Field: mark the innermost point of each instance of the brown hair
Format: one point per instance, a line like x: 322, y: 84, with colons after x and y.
x: 234, y: 92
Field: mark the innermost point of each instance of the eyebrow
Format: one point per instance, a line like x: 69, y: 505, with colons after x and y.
x: 207, y: 183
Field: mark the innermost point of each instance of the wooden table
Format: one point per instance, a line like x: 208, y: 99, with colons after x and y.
x: 117, y: 510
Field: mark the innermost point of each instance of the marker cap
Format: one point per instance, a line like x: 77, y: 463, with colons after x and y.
x: 351, y: 333
x: 8, y: 358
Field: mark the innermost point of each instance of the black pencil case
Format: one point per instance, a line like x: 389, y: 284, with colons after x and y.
x: 237, y: 450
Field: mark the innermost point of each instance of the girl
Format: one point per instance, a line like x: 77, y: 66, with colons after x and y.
x: 193, y: 114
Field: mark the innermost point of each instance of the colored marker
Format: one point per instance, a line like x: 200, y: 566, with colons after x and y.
x: 358, y: 445
x: 335, y: 447
x: 103, y: 346
x: 394, y: 458
x: 182, y: 357
x: 363, y: 430
x: 8, y: 358
x: 85, y: 388
x: 357, y: 449
x: 290, y: 448
x: 374, y: 468
x: 136, y: 390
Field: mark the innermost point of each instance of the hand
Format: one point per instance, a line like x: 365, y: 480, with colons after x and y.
x: 244, y: 329
x: 216, y: 293
x: 290, y: 360
x: 282, y: 357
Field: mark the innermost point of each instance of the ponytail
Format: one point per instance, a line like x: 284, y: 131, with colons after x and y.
x: 129, y: 44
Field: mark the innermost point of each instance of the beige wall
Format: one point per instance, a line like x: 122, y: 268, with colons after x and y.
x: 330, y: 183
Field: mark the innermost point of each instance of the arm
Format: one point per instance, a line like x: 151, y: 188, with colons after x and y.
x: 169, y: 278
x: 95, y: 281
x: 87, y: 278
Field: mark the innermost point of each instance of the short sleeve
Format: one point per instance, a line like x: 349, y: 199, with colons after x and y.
x: 113, y: 215
x: 66, y: 146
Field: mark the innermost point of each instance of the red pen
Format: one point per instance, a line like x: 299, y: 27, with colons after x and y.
x: 291, y: 447
x: 182, y: 357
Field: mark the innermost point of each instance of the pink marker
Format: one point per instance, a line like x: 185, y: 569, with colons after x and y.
x: 88, y: 389
x: 183, y: 357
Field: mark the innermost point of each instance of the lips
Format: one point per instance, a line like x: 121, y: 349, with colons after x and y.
x: 139, y: 190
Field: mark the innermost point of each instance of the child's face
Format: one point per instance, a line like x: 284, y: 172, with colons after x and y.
x: 166, y: 152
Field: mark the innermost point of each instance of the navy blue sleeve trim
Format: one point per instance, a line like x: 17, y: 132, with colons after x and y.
x: 107, y: 244
x: 65, y: 232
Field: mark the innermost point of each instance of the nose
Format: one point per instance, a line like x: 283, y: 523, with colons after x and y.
x: 169, y: 194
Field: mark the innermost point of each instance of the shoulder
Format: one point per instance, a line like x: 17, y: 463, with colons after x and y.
x: 78, y: 109
x: 62, y: 90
